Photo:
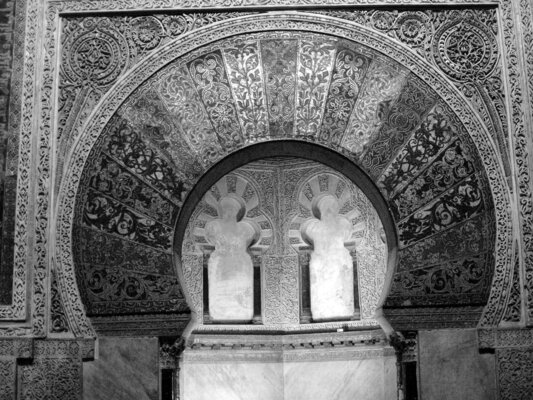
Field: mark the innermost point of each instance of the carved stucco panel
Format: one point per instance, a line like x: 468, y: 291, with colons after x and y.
x: 8, y: 368
x: 281, y: 305
x: 526, y: 209
x: 18, y: 162
x: 520, y: 121
x: 471, y: 123
x: 55, y: 371
x: 514, y: 369
x: 192, y: 266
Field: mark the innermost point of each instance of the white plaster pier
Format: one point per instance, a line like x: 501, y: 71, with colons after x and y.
x: 331, y: 266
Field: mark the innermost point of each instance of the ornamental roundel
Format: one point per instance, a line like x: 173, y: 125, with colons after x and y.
x: 383, y: 20
x: 97, y: 56
x: 465, y: 50
x: 413, y: 28
x: 175, y: 24
x: 146, y: 32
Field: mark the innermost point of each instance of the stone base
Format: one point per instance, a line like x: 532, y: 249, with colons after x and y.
x: 317, y: 366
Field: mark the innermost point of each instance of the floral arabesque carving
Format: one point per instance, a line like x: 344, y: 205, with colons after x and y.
x: 439, y: 85
x: 18, y: 166
x: 58, y: 318
x: 462, y: 43
x: 465, y: 49
x: 515, y: 367
x: 526, y: 12
x: 513, y: 314
x: 382, y: 21
x: 521, y: 142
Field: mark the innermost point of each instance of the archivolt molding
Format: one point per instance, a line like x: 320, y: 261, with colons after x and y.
x: 526, y: 209
x: 272, y: 21
x: 19, y: 159
x: 520, y: 138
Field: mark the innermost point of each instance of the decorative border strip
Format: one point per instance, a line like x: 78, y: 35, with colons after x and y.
x: 288, y: 355
x: 347, y: 338
x: 137, y: 5
x: 18, y: 348
x: 526, y: 209
x: 274, y: 21
x: 521, y: 141
x: 140, y: 325
x: 313, y: 327
x: 504, y: 338
x: 19, y: 154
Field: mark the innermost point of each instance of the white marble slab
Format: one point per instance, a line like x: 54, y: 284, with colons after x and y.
x: 451, y: 366
x: 232, y: 381
x: 126, y: 368
x: 369, y: 379
x: 362, y: 373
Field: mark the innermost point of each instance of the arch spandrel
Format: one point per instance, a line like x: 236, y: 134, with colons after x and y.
x: 422, y: 128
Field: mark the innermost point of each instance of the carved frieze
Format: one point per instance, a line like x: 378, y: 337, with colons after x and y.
x: 55, y: 371
x: 140, y: 324
x: 288, y: 348
x: 505, y: 338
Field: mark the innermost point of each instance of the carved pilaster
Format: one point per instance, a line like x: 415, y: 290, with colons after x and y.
x: 55, y: 371
x: 514, y: 360
x: 12, y: 350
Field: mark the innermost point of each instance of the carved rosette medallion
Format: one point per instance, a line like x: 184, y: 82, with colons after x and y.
x: 146, y: 32
x: 413, y: 28
x: 175, y: 24
x: 97, y: 57
x: 465, y: 50
x: 383, y: 20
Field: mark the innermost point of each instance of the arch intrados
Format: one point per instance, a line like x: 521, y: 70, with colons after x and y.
x: 286, y: 148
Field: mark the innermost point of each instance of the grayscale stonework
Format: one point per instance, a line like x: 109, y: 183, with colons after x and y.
x: 125, y: 127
